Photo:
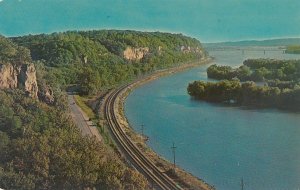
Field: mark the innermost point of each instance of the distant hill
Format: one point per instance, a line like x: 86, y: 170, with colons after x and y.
x: 271, y: 42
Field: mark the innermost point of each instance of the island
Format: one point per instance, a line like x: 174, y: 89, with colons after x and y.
x: 280, y: 89
x: 258, y: 70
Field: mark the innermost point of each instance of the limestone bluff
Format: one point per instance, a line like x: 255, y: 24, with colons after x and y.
x: 21, y: 76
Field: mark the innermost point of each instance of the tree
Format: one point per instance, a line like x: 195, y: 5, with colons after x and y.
x: 89, y: 81
x: 4, y: 141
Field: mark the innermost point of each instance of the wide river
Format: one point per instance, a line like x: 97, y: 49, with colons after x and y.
x: 219, y: 144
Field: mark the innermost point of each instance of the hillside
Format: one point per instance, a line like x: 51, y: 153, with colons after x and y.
x: 40, y: 146
x: 109, y: 56
x: 95, y: 46
x: 16, y: 69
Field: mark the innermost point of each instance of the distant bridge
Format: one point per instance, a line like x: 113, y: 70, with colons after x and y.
x: 243, y: 50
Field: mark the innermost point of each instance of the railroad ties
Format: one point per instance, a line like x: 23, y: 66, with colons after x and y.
x: 138, y: 159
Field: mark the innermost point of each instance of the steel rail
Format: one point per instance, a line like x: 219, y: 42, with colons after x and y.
x: 138, y: 159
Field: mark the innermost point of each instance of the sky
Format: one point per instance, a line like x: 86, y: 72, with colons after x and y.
x: 206, y: 20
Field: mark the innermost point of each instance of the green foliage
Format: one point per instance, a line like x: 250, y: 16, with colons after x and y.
x: 95, y: 61
x: 10, y: 52
x: 116, y: 41
x: 89, y: 80
x: 95, y: 47
x: 246, y: 94
x: 41, y: 149
x: 283, y: 84
x: 243, y: 73
x: 4, y: 141
x: 295, y: 49
x: 226, y: 72
x: 220, y: 72
x: 222, y: 91
x: 10, y: 179
x: 63, y: 159
x: 19, y: 112
x: 258, y: 70
x: 62, y: 49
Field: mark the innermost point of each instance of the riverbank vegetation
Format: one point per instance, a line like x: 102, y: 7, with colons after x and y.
x: 258, y: 70
x: 246, y: 94
x: 40, y: 147
x: 281, y: 88
x: 293, y: 49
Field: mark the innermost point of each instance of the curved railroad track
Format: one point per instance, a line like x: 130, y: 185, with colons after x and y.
x: 136, y: 157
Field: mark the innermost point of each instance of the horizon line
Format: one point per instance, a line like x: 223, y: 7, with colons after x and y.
x: 154, y: 30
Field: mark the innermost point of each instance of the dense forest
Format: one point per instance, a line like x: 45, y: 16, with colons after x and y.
x: 258, y: 70
x: 40, y: 147
x: 281, y: 88
x: 246, y: 94
x: 95, y: 59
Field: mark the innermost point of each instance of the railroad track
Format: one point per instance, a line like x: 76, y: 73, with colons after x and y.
x: 137, y: 158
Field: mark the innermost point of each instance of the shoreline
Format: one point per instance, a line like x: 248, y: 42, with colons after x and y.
x: 184, y: 178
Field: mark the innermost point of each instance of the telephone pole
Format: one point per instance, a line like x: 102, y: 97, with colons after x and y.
x: 174, y: 158
x: 242, y: 184
x: 142, y: 128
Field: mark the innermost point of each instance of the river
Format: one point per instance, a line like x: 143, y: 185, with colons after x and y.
x: 219, y: 144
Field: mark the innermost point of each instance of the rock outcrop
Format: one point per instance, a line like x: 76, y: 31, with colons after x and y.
x: 135, y: 54
x: 46, y: 95
x: 8, y: 76
x: 21, y: 76
x: 27, y: 79
x: 188, y: 49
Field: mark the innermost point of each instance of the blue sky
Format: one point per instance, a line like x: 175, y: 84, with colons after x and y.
x: 207, y: 20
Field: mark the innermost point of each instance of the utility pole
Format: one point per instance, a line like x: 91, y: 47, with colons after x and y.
x: 174, y: 160
x: 242, y: 184
x: 142, y: 128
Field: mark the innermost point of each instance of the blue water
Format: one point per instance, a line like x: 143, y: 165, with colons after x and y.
x: 217, y: 143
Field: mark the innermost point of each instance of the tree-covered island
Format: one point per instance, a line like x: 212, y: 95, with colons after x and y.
x: 258, y: 70
x: 281, y: 89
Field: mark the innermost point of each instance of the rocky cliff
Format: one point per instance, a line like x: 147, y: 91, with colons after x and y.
x: 46, y: 94
x: 8, y: 76
x: 189, y: 49
x: 21, y: 76
x: 135, y: 54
